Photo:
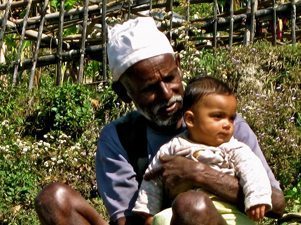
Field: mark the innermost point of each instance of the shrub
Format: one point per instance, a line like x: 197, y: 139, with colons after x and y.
x: 67, y: 109
x: 18, y: 181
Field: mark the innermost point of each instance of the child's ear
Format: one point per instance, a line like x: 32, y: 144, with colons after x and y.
x: 189, y: 118
x: 121, y: 91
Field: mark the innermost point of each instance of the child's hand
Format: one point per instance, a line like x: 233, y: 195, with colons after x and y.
x: 257, y: 212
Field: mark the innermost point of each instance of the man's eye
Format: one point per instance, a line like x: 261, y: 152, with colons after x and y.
x: 149, y: 88
x: 169, y: 79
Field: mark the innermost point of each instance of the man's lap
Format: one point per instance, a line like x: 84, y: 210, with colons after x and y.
x: 230, y: 213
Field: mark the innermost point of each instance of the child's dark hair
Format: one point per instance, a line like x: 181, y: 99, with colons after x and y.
x: 201, y: 86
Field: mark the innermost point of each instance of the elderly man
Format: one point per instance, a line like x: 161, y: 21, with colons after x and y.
x: 146, y: 71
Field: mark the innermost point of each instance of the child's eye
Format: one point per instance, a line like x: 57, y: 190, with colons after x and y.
x: 217, y: 115
x: 232, y: 118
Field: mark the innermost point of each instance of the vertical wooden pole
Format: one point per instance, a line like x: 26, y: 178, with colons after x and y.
x: 274, y: 31
x: 247, y: 29
x: 60, y: 44
x: 36, y: 53
x: 293, y: 28
x: 187, y: 18
x: 188, y: 11
x: 104, y: 40
x: 171, y: 19
x: 4, y: 21
x: 83, y: 43
x: 231, y: 25
x: 25, y: 19
x: 215, y: 25
x: 150, y: 7
x: 253, y: 20
x: 130, y: 2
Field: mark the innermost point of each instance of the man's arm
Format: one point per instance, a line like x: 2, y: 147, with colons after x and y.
x: 115, y: 177
x: 278, y: 203
x: 177, y: 169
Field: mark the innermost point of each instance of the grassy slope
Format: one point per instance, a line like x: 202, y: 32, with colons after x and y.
x: 267, y: 80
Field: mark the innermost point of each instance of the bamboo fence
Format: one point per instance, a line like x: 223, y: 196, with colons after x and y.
x: 45, y: 29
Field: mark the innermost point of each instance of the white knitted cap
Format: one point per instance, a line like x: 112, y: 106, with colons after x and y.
x: 133, y: 41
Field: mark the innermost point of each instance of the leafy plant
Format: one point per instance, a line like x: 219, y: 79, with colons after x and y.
x: 18, y: 180
x: 293, y: 196
x: 66, y: 108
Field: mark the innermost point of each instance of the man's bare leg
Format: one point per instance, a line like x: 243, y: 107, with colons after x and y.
x: 201, y: 210
x: 58, y: 204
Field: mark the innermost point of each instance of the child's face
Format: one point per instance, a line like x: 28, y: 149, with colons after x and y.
x: 212, y: 119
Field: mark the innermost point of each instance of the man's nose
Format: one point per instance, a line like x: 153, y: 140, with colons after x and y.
x: 165, y: 91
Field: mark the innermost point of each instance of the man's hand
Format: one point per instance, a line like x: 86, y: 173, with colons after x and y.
x: 177, y: 173
x: 177, y: 170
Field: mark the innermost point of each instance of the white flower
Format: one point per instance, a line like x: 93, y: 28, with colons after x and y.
x: 5, y: 123
x: 25, y: 149
x: 46, y: 144
x: 53, y: 158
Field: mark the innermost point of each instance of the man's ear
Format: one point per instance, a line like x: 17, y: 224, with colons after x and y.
x: 189, y: 118
x: 178, y: 60
x: 121, y: 91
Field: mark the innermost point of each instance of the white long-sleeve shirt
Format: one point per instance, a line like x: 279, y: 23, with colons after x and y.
x: 233, y: 158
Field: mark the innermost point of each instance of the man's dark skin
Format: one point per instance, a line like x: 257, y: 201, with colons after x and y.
x: 147, y: 83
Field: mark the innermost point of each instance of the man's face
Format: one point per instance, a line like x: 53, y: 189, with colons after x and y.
x: 155, y: 86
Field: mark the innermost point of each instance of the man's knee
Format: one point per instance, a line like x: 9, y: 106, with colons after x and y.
x: 195, y: 201
x: 194, y: 207
x: 54, y: 197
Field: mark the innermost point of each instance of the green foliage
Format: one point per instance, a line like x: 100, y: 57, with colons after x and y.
x: 293, y: 196
x: 67, y: 108
x: 51, y: 134
x: 195, y: 10
x: 27, y: 163
x: 18, y: 181
x: 12, y: 108
x: 111, y: 107
x: 269, y: 88
x: 69, y: 4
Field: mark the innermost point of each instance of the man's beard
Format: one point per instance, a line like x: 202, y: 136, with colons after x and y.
x: 151, y: 114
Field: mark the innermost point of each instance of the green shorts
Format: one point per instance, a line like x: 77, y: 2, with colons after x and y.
x: 230, y: 213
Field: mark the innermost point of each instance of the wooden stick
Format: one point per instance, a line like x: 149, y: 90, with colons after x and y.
x: 60, y: 44
x: 83, y: 42
x: 93, y: 52
x: 261, y: 14
x: 104, y: 40
x: 215, y: 25
x: 253, y: 20
x: 293, y: 22
x: 231, y: 25
x: 15, y: 75
x: 4, y: 21
x: 274, y: 31
x: 17, y: 4
x: 34, y: 63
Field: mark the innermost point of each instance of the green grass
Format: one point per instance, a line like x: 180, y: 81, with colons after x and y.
x: 50, y: 134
